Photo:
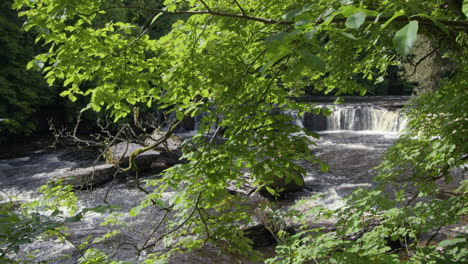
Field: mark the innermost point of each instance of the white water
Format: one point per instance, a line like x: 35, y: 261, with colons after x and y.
x: 353, y: 117
x: 365, y: 118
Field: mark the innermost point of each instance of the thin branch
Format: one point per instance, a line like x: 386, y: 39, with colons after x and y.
x: 434, y: 235
x: 200, y: 214
x: 422, y: 59
x: 167, y: 135
x: 201, y: 12
x: 462, y: 25
x: 153, y: 232
x: 177, y: 227
x: 163, y: 140
x: 281, y: 68
x: 215, y: 134
x: 240, y: 7
x: 206, y: 6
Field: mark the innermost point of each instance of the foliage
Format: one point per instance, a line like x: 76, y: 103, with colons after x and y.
x: 378, y: 228
x: 242, y: 63
x: 46, y: 217
x: 21, y: 91
x: 31, y: 221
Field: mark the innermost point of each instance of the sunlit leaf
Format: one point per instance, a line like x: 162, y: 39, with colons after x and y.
x: 311, y: 60
x: 356, y: 20
x: 465, y: 7
x: 405, y: 38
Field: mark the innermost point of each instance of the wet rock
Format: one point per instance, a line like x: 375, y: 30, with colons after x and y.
x: 282, y: 184
x: 163, y: 163
x: 272, y: 221
x: 242, y: 187
x: 173, y: 143
x: 246, y: 187
x: 120, y: 153
x: 260, y: 235
x: 315, y: 122
x: 158, y: 160
x: 189, y: 123
x: 80, y: 155
x: 90, y: 176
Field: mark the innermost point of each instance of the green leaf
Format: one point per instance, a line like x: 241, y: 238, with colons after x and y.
x: 72, y: 98
x: 155, y: 18
x: 395, y: 15
x: 339, y: 100
x: 179, y: 115
x: 276, y: 37
x: 296, y: 12
x: 30, y: 65
x: 303, y: 22
x: 309, y: 35
x: 311, y: 60
x: 75, y: 218
x: 356, y: 20
x: 280, y: 55
x: 178, y: 198
x: 405, y: 39
x: 205, y: 93
x: 351, y: 10
x: 348, y: 35
x: 271, y: 191
x: 324, y: 167
x: 69, y: 28
x: 465, y: 7
x: 451, y: 242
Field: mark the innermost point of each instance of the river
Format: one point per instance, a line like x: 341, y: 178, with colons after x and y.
x: 352, y: 141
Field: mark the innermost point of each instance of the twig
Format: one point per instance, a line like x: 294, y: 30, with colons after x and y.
x: 163, y: 139
x: 200, y: 214
x: 177, y: 227
x: 422, y: 59
x: 152, y: 233
x: 206, y: 6
x: 240, y: 7
x: 433, y: 236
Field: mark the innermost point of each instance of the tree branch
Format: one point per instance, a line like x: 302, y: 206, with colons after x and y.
x: 158, y: 142
x: 197, y: 200
x: 422, y: 59
x: 240, y: 7
x: 206, y: 6
x: 201, y: 12
x: 461, y: 25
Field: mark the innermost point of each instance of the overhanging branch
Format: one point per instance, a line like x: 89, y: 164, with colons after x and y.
x: 453, y: 24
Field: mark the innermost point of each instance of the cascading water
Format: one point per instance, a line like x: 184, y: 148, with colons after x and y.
x: 356, y: 117
x: 365, y: 118
x: 353, y: 139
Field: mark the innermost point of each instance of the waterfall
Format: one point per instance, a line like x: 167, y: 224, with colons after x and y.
x: 356, y: 118
x: 348, y: 117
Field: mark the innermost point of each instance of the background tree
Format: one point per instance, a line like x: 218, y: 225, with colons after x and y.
x: 22, y: 92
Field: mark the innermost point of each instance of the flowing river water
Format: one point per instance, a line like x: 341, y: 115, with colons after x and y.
x: 352, y: 141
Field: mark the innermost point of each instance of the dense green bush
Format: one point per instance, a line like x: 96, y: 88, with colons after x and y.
x: 22, y: 92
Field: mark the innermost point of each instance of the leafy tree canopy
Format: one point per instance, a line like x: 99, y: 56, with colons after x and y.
x: 246, y: 61
x: 21, y: 91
